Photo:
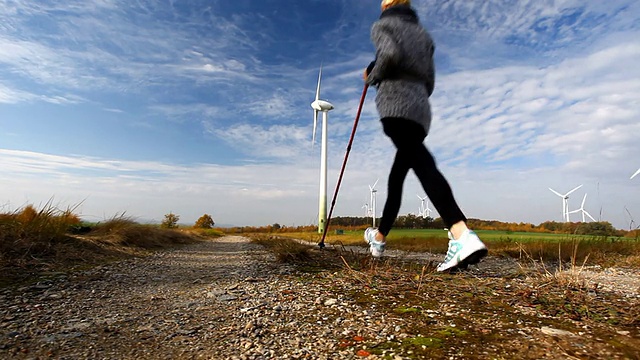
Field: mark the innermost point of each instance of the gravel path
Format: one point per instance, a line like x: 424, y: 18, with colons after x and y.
x: 222, y: 299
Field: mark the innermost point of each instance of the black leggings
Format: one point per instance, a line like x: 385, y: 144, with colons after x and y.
x: 411, y: 153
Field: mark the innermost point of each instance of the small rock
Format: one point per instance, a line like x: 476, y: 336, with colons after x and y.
x: 330, y: 302
x: 555, y: 332
x: 233, y: 287
x: 227, y: 297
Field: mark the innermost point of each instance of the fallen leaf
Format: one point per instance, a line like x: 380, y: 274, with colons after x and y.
x: 358, y: 338
x: 363, y: 353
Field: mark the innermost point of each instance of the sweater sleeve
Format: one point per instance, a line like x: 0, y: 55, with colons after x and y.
x: 387, y: 53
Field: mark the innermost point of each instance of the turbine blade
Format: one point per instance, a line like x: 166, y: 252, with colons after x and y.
x: 315, y: 124
x: 318, y: 88
x: 575, y: 211
x: 557, y: 193
x: 375, y: 183
x: 589, y: 215
x: 634, y: 174
x: 578, y: 187
x: 583, y: 200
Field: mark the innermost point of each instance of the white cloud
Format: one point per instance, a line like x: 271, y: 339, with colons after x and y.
x: 234, y: 194
x: 13, y: 96
x: 284, y: 142
x: 275, y: 105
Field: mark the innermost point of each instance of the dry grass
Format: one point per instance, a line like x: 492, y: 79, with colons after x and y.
x: 124, y: 231
x: 603, y: 251
x: 285, y: 250
x: 471, y: 312
x: 35, y: 241
x: 30, y: 232
x: 595, y: 251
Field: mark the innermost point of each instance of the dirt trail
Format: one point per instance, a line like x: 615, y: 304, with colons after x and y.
x: 230, y: 299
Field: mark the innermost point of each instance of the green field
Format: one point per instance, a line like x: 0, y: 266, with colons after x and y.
x: 416, y: 235
x: 488, y: 235
x: 600, y: 250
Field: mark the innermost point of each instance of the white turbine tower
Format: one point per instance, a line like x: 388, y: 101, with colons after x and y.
x: 321, y: 106
x: 424, y: 210
x: 372, y: 201
x: 584, y: 212
x: 634, y: 174
x: 565, y: 204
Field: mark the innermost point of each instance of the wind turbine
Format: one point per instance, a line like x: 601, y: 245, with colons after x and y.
x: 321, y: 106
x: 634, y: 175
x: 372, y: 192
x: 424, y: 210
x: 367, y: 211
x: 584, y: 212
x: 565, y: 205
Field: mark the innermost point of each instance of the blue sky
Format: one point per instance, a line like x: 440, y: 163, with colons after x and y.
x: 193, y: 107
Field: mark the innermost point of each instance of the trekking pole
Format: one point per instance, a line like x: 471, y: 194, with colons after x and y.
x: 344, y: 164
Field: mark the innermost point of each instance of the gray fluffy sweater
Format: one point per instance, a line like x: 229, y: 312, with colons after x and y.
x: 403, y: 71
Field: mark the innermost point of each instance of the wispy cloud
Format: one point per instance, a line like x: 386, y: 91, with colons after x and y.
x: 285, y: 142
x: 111, y: 186
x: 13, y: 96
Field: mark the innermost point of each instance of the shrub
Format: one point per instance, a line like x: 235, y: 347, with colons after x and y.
x: 204, y: 222
x: 170, y: 221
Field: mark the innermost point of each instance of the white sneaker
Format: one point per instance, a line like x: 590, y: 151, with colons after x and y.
x: 375, y: 247
x: 467, y: 250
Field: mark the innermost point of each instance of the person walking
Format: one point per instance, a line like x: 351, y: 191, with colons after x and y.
x: 403, y: 74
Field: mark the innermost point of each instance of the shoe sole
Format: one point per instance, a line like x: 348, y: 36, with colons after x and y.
x: 472, y: 259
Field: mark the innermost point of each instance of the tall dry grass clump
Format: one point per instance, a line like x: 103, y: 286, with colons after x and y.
x: 285, y: 250
x: 29, y: 232
x: 598, y: 250
x: 34, y: 241
x: 124, y: 230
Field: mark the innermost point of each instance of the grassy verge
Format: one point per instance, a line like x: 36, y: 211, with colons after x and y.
x: 35, y: 242
x: 576, y: 249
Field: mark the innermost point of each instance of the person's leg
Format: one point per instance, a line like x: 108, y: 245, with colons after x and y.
x: 400, y: 132
x: 396, y: 130
x: 436, y: 187
x: 465, y: 247
x: 397, y: 175
x: 439, y: 192
x: 408, y: 138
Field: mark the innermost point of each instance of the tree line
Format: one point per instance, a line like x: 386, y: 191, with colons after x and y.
x: 410, y: 221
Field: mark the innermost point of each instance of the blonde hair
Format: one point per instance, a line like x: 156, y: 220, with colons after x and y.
x: 388, y: 3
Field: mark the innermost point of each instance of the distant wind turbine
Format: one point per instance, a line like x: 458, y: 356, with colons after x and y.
x: 372, y: 201
x: 424, y: 210
x: 634, y: 175
x: 367, y: 211
x: 321, y: 106
x: 565, y: 204
x: 584, y: 212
